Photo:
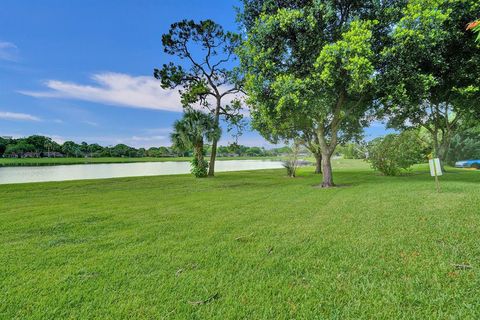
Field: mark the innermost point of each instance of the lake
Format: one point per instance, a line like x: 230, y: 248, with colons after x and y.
x: 117, y: 170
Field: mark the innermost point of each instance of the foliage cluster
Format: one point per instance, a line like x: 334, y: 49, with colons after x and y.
x: 465, y: 144
x: 191, y: 132
x: 430, y: 71
x: 37, y: 146
x: 43, y: 147
x: 394, y: 152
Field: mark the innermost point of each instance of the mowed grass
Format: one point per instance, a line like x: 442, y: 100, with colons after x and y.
x: 9, y: 162
x: 243, y: 245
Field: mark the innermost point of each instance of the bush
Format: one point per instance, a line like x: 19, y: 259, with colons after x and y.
x: 291, y: 166
x: 394, y: 152
x: 199, y: 168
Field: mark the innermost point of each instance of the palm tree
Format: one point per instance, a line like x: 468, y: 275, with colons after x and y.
x: 190, y: 132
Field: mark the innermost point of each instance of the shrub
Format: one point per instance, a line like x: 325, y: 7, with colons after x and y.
x: 199, y: 168
x: 291, y: 164
x: 394, y: 152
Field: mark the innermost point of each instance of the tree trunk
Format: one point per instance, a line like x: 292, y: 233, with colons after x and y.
x: 446, y: 149
x: 327, y: 171
x: 213, y: 155
x: 437, y: 149
x: 199, y: 152
x: 318, y: 163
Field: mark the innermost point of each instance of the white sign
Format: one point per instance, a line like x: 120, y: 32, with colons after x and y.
x: 435, y: 168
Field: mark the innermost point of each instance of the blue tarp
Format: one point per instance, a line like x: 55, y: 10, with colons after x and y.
x: 468, y: 164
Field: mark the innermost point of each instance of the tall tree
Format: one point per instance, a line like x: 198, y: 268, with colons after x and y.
x: 207, y: 77
x: 19, y: 148
x: 42, y: 143
x: 310, y: 69
x: 71, y: 149
x: 191, y: 132
x: 430, y: 73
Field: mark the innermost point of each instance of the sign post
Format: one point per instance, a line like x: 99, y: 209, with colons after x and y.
x: 435, y: 171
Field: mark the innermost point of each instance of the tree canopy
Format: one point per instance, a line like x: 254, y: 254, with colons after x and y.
x: 310, y: 69
x: 430, y: 72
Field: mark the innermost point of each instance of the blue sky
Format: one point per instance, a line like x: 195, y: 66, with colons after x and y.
x: 82, y: 69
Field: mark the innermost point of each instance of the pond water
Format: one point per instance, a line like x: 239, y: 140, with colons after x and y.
x: 117, y: 170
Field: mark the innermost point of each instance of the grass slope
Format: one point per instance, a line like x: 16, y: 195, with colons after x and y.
x: 9, y: 162
x: 250, y: 245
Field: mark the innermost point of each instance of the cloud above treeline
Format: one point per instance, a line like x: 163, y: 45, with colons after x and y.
x: 116, y: 89
x: 6, y: 115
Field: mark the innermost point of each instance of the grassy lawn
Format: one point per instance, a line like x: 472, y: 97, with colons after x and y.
x: 244, y: 245
x: 64, y: 161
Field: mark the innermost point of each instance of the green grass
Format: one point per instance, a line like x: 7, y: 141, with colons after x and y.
x: 263, y: 245
x: 65, y: 161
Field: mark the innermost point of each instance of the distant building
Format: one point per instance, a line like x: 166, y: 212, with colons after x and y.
x: 53, y: 154
x: 30, y: 155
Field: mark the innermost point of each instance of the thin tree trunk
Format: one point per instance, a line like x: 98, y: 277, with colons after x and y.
x: 327, y: 171
x: 446, y: 148
x: 318, y: 163
x: 213, y: 155
x: 437, y: 144
x: 436, y: 149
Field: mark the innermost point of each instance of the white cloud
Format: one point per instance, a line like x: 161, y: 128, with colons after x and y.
x: 18, y: 116
x: 8, y: 51
x: 91, y: 123
x: 119, y: 89
x: 115, y: 89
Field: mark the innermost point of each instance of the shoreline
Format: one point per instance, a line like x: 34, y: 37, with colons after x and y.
x: 38, y: 162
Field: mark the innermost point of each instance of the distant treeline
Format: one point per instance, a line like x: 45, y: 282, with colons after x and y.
x: 37, y: 146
